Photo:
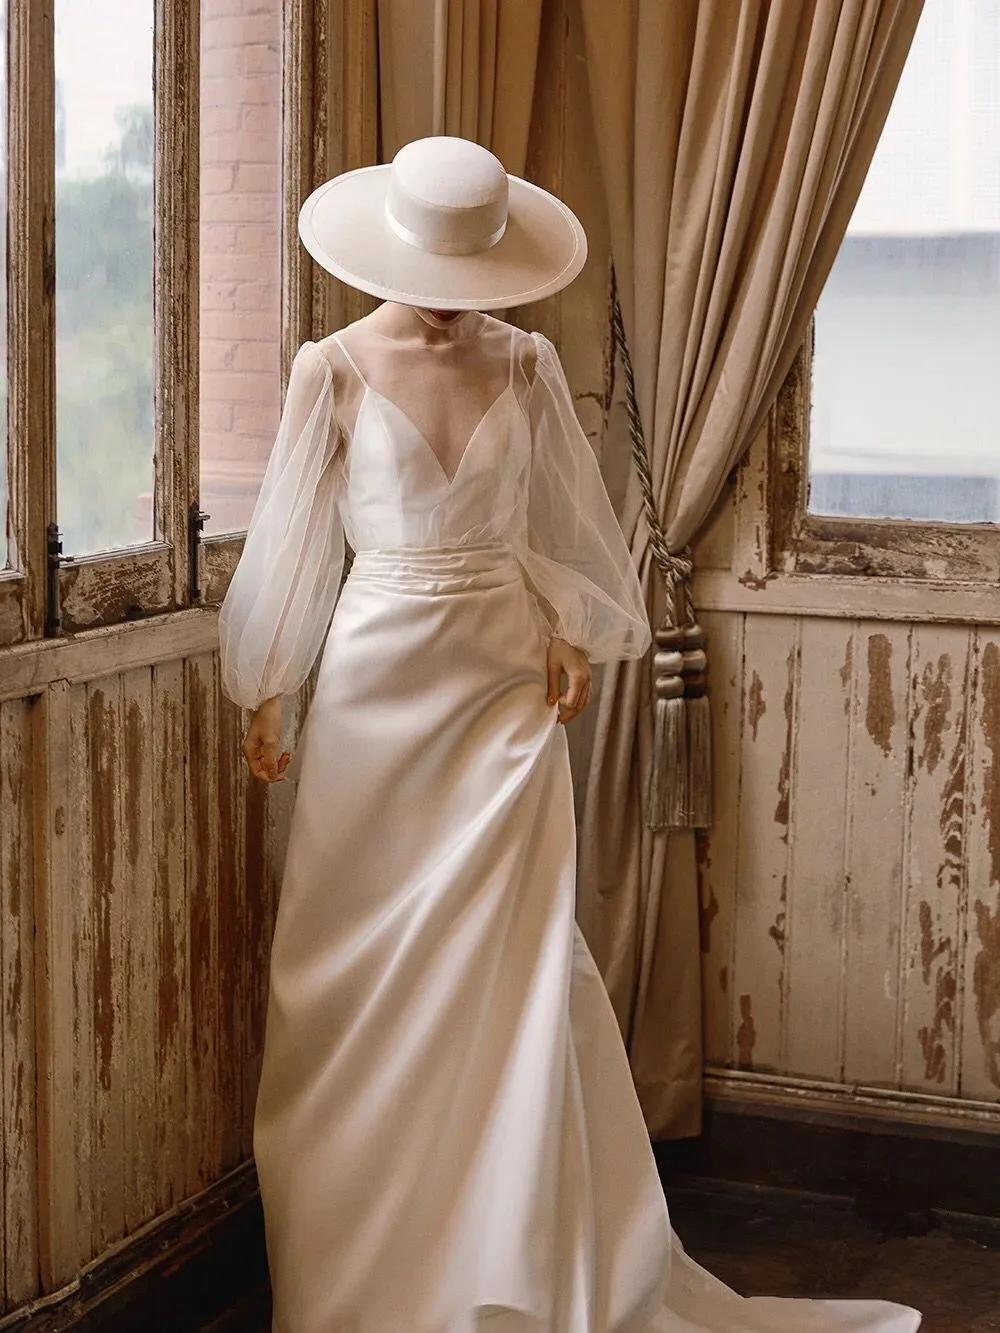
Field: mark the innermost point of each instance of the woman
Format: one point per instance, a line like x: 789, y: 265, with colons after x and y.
x: 446, y: 1131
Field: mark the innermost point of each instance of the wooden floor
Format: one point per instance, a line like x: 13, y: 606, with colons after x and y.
x: 779, y: 1243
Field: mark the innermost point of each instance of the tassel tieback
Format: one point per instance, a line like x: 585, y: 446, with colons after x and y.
x: 680, y: 788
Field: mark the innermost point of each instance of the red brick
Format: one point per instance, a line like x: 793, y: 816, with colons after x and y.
x: 263, y: 120
x: 258, y: 178
x: 253, y: 208
x: 219, y: 118
x: 257, y: 240
x: 236, y: 267
x: 260, y: 356
x: 224, y: 60
x: 231, y: 324
x: 219, y: 296
x: 240, y: 29
x: 258, y: 296
x: 263, y: 59
x: 217, y: 179
x: 215, y: 237
x: 262, y: 90
x: 256, y: 419
x: 216, y: 355
x: 213, y: 414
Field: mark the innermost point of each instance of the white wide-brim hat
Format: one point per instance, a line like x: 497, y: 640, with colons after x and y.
x: 445, y: 227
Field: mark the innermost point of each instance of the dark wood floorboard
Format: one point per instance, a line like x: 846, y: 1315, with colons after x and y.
x: 785, y: 1244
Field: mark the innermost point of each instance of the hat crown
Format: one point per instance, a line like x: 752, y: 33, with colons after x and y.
x: 447, y: 196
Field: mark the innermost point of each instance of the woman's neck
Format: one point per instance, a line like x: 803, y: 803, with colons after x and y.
x: 432, y: 328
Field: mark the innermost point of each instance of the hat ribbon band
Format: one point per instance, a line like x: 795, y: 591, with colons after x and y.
x: 440, y: 246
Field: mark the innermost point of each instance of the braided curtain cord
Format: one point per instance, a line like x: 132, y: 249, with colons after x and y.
x: 680, y: 783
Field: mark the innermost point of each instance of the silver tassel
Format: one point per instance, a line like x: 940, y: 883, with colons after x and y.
x: 668, y: 785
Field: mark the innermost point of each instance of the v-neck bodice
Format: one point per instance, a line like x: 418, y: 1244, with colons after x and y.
x: 351, y: 462
x: 396, y: 493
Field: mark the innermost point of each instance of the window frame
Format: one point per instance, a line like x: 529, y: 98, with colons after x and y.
x: 326, y: 88
x: 801, y: 543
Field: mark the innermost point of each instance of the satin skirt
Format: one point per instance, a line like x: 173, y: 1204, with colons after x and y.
x: 446, y: 1130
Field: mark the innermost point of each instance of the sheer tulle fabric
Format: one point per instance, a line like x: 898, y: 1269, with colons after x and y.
x: 526, y: 478
x: 281, y: 597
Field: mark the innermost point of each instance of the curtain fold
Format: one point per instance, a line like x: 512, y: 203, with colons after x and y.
x: 734, y: 137
x: 462, y: 67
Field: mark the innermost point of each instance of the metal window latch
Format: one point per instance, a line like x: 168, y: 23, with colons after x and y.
x: 53, y: 608
x: 197, y: 519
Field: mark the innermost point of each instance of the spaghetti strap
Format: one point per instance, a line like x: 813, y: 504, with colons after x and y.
x: 350, y: 359
x: 513, y: 351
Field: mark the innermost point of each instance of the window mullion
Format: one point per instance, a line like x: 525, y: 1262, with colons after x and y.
x: 31, y: 307
x: 176, y: 120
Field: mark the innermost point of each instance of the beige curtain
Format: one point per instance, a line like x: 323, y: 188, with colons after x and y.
x: 734, y: 137
x: 463, y: 67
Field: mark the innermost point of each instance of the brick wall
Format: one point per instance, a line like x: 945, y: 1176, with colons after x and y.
x: 240, y: 258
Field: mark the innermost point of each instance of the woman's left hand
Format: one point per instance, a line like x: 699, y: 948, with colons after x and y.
x: 565, y: 660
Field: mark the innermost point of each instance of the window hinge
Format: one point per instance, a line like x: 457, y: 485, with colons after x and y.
x: 197, y: 519
x: 53, y: 609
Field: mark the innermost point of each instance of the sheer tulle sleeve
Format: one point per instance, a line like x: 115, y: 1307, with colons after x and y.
x: 278, y: 607
x: 577, y: 558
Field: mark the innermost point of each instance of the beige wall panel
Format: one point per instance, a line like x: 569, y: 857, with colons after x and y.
x: 717, y: 850
x: 231, y: 961
x: 78, y: 814
x: 110, y: 887
x: 139, y: 955
x: 980, y: 998
x: 769, y: 710
x: 172, y: 1003
x: 936, y: 883
x: 17, y: 922
x: 814, y: 931
x: 875, y: 853
x: 202, y: 862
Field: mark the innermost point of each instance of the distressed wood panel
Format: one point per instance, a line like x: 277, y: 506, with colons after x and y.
x: 83, y: 1028
x: 139, y: 951
x: 935, y: 878
x: 770, y: 678
x: 876, y: 853
x: 980, y: 998
x: 17, y: 924
x: 232, y: 968
x: 202, y: 864
x: 109, y: 888
x: 717, y: 853
x: 815, y: 912
x: 172, y: 1007
x: 54, y: 976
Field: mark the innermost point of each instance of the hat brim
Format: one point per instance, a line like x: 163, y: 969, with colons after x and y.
x: 344, y: 227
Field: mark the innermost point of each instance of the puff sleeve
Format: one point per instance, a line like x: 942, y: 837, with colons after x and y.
x: 278, y: 607
x: 576, y: 559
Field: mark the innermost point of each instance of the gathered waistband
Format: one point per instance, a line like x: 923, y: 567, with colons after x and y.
x: 442, y: 569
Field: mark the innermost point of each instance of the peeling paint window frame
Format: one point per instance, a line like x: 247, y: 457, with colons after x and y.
x: 154, y: 578
x: 803, y: 543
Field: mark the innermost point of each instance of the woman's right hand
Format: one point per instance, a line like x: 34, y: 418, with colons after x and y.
x: 260, y: 748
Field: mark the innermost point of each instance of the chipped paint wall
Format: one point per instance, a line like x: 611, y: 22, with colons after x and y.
x: 139, y: 871
x: 850, y: 888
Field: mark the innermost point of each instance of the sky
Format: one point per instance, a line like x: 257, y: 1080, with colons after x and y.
x: 104, y: 61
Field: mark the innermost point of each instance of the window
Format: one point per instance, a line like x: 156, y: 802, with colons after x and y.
x: 144, y: 337
x: 905, y: 419
x: 104, y: 273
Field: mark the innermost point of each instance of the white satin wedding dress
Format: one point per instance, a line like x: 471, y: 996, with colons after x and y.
x: 446, y: 1134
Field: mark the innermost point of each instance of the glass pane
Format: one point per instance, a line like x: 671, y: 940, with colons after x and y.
x: 906, y: 394
x: 240, y: 254
x: 104, y: 271
x: 5, y: 553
